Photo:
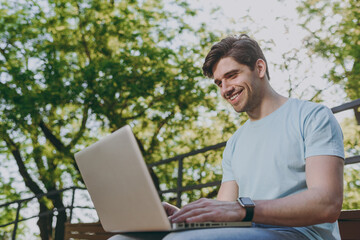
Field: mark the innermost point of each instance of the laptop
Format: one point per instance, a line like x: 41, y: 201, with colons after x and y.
x: 122, y: 190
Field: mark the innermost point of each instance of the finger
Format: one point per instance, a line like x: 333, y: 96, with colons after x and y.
x: 212, y: 212
x: 170, y: 209
x: 182, y: 212
x: 201, y: 203
x: 182, y: 217
x: 205, y: 217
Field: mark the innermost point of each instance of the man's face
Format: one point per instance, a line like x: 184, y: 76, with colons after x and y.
x: 238, y: 84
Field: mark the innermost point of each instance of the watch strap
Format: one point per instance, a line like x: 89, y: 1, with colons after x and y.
x: 249, y: 214
x: 249, y: 209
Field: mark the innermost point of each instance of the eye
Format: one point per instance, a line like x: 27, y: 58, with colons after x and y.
x: 233, y: 75
x: 218, y: 83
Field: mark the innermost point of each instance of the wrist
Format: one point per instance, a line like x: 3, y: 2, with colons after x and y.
x: 249, y: 206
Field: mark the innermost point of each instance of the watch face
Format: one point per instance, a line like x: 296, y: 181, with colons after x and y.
x: 247, y: 201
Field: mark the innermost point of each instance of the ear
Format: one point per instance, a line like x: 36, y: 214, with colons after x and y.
x: 261, y: 67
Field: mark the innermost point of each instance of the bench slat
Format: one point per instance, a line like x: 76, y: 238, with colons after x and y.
x: 86, y: 231
x: 349, y: 224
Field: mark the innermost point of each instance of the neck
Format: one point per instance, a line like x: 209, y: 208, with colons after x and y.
x: 268, y: 103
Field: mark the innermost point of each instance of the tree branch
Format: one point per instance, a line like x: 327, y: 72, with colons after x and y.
x: 152, y: 103
x: 53, y: 139
x: 80, y: 133
x: 83, y: 41
x: 14, y: 148
x: 36, y: 153
x: 154, y: 139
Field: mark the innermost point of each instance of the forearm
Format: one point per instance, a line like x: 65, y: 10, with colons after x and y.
x: 302, y: 209
x: 310, y: 207
x: 320, y: 203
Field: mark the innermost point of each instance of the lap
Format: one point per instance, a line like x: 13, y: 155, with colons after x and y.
x: 258, y: 232
x: 140, y: 236
x: 253, y: 233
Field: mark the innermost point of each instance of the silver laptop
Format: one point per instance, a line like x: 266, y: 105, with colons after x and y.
x: 122, y: 190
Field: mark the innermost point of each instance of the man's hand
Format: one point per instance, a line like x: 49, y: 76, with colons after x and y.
x: 170, y: 209
x: 208, y: 210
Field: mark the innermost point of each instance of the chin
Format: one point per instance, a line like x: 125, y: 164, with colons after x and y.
x: 239, y: 110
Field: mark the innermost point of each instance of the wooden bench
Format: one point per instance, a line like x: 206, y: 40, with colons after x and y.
x: 349, y: 224
x: 86, y: 231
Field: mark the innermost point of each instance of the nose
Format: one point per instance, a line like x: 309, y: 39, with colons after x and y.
x: 227, y: 89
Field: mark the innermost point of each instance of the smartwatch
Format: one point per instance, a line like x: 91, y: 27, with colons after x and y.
x: 249, y: 206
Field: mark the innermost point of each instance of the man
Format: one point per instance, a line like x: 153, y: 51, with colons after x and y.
x: 287, y: 158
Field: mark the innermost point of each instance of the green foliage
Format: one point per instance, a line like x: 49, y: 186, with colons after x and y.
x: 351, y: 133
x: 72, y: 71
x: 336, y: 38
x: 8, y: 214
x: 351, y: 188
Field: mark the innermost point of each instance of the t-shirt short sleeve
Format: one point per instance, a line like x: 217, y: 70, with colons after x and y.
x: 226, y: 162
x: 322, y: 133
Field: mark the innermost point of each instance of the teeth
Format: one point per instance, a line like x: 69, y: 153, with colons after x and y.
x: 233, y: 97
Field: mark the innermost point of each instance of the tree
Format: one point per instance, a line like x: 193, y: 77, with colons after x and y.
x: 71, y: 71
x: 336, y: 38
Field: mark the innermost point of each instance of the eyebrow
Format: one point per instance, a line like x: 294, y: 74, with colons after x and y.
x: 228, y: 74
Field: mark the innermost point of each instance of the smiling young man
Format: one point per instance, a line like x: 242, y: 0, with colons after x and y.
x: 283, y: 169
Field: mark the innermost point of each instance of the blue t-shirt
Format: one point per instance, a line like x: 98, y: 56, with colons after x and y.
x: 266, y: 157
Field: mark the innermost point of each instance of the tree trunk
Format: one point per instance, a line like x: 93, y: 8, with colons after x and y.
x: 61, y: 218
x: 45, y: 223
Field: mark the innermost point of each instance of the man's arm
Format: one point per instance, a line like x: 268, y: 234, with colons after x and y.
x: 228, y: 191
x: 320, y: 203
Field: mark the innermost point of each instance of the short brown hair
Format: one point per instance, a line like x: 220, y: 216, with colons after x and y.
x: 243, y: 49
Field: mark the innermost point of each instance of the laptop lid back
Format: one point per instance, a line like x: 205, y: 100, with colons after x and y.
x: 120, y: 185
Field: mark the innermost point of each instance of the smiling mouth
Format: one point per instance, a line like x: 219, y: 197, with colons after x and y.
x: 235, y: 95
